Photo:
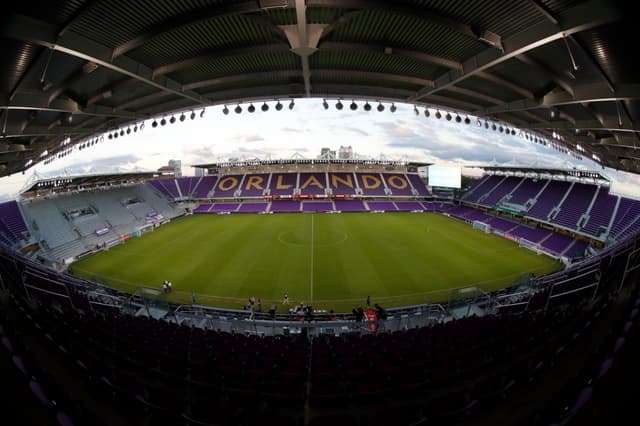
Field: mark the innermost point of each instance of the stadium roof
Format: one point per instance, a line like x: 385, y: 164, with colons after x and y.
x: 579, y: 173
x: 559, y: 69
x: 67, y: 183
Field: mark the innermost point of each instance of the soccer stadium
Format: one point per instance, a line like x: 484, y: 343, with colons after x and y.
x: 330, y: 290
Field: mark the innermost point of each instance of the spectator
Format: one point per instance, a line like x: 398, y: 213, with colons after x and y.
x: 285, y: 301
x: 332, y: 315
x: 259, y: 306
x: 368, y: 301
x: 169, y: 284
x: 193, y: 298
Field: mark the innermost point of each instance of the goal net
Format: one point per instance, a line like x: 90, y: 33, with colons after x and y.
x: 481, y: 226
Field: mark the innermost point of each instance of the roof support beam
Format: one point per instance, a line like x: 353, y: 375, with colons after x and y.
x: 396, y: 8
x: 40, y: 102
x: 34, y: 31
x: 546, y: 70
x: 218, y: 54
x: 579, y: 18
x: 586, y: 125
x: 365, y: 75
x: 185, y: 20
x: 506, y: 84
x: 588, y: 93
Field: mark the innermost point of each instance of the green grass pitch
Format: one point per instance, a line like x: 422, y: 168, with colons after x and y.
x: 332, y: 261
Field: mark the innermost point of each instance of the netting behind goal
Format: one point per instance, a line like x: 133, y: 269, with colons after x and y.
x: 482, y: 226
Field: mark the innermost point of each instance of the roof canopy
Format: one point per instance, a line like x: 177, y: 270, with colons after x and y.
x: 73, y: 69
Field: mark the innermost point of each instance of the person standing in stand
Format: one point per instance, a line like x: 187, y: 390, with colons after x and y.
x: 285, y: 301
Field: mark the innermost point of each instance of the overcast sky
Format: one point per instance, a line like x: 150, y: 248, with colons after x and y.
x: 304, y: 131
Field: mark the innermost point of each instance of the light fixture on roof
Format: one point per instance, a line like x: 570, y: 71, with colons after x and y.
x: 154, y: 124
x: 278, y: 106
x: 172, y: 119
x: 128, y: 130
x: 438, y: 114
x: 163, y: 121
x: 426, y: 112
x: 380, y: 107
x: 493, y: 126
x: 238, y: 109
x: 415, y: 110
x: 182, y: 117
x: 135, y: 130
x: 202, y: 113
x: 225, y: 110
x: 291, y: 104
x: 367, y: 106
x: 353, y: 106
x: 513, y: 132
x: 110, y: 136
x: 552, y: 113
x: 392, y: 108
x: 501, y: 129
x: 467, y: 120
x: 339, y: 105
x: 448, y: 116
x: 478, y: 122
x: 264, y: 107
x: 251, y: 108
x: 193, y: 115
x: 121, y: 132
x: 325, y: 104
x: 458, y: 119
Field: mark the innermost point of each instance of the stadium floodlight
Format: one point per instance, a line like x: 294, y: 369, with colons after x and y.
x: 291, y: 104
x: 493, y: 127
x: 513, y: 132
x: 121, y: 132
x: 172, y: 119
x: 163, y: 121
x: 392, y: 108
x: 367, y: 106
x: 225, y: 110
x: 426, y: 112
x: 467, y: 121
x: 202, y: 113
x: 264, y: 107
x: 448, y: 116
x: 478, y: 122
x: 278, y: 106
x: 353, y: 106
x: 380, y: 107
x: 110, y: 136
x: 325, y: 104
x: 339, y: 105
x: 501, y: 129
x: 415, y: 110
x: 251, y: 108
x: 238, y: 109
x: 438, y: 115
x: 193, y: 115
x: 135, y: 128
x: 115, y: 134
x: 128, y: 130
x: 458, y: 118
x: 182, y: 117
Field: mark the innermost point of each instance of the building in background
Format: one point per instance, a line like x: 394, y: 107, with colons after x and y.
x: 199, y: 171
x: 177, y: 167
x: 327, y: 154
x: 345, y: 153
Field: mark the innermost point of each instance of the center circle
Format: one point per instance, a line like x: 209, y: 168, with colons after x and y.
x: 327, y: 238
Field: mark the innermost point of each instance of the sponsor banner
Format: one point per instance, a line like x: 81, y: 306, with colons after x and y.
x: 152, y: 214
x: 102, y: 231
x: 511, y: 237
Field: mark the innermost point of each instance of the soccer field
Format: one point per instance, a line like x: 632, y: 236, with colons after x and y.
x: 332, y: 261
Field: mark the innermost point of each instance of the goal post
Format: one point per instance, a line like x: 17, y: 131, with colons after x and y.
x: 481, y: 226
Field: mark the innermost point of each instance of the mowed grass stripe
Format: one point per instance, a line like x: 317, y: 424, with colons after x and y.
x: 397, y: 258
